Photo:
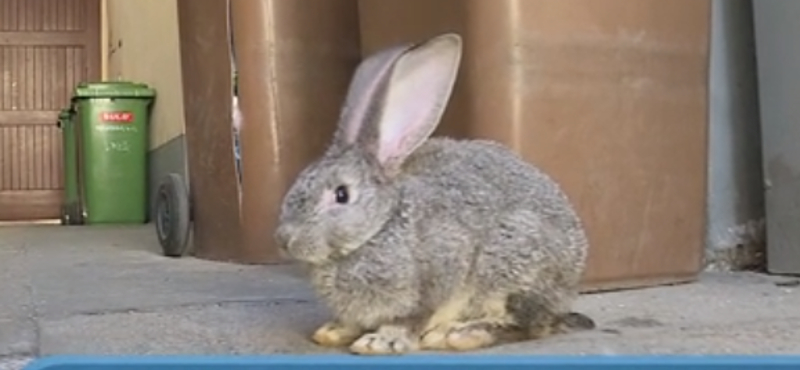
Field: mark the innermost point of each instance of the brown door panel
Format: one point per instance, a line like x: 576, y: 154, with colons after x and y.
x: 46, y: 48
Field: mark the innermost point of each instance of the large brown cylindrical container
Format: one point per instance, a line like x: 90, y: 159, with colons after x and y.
x: 608, y: 96
x: 295, y: 60
x: 205, y: 67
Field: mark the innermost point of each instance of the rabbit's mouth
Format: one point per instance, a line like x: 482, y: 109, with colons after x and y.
x: 324, y: 243
x: 297, y: 244
x: 322, y: 252
x: 313, y: 260
x: 308, y: 248
x: 311, y: 254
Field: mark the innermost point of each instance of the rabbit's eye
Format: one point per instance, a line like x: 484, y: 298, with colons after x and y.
x: 342, y: 196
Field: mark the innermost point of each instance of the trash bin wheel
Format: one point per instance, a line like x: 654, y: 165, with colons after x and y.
x: 172, y: 216
x: 71, y: 215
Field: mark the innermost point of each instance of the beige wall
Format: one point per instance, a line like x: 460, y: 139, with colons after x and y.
x: 140, y: 43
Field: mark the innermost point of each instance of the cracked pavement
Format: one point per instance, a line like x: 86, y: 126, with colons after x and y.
x: 107, y: 290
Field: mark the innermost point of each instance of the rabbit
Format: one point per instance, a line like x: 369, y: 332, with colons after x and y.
x: 420, y: 243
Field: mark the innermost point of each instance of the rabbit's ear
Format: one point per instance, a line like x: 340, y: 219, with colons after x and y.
x: 364, y: 94
x: 415, y: 97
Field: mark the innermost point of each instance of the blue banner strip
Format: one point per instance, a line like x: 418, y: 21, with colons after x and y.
x: 416, y: 362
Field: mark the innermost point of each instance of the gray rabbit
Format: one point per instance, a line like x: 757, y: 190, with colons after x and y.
x: 429, y: 244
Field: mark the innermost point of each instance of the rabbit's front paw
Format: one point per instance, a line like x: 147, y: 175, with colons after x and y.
x: 386, y: 341
x: 334, y: 334
x: 459, y: 337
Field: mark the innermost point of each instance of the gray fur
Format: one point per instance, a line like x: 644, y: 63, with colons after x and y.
x: 464, y: 217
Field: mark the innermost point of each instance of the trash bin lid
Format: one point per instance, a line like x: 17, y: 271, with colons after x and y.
x: 113, y: 89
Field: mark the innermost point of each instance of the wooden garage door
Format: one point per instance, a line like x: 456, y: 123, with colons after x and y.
x: 46, y: 48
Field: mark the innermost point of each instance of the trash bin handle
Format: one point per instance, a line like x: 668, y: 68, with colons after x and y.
x: 71, y: 111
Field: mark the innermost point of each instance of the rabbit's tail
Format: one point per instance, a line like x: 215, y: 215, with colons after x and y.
x: 540, y: 319
x: 553, y: 324
x: 575, y: 321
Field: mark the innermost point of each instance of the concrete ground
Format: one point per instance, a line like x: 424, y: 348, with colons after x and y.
x: 107, y: 290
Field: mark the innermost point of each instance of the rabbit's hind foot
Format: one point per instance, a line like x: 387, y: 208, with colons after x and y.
x: 491, y: 324
x: 467, y: 336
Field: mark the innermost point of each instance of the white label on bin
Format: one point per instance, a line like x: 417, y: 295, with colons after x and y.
x: 116, y: 128
x: 116, y: 117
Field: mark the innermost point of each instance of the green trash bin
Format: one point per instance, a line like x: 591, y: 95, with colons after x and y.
x: 113, y: 134
x: 71, y: 212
